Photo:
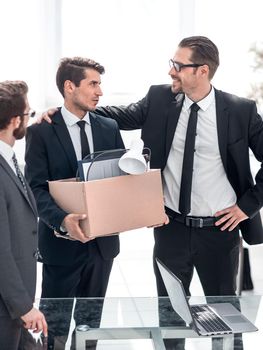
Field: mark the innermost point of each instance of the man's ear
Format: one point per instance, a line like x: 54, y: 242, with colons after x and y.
x: 68, y: 86
x: 205, y: 69
x: 16, y: 121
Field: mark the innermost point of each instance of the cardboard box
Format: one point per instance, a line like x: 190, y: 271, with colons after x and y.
x: 113, y: 204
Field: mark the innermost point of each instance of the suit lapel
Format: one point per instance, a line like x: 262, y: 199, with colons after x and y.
x: 29, y: 196
x: 31, y: 199
x: 65, y: 140
x: 96, y: 133
x: 222, y: 117
x: 172, y: 120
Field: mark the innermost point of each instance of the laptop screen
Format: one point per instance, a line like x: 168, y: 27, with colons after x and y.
x: 176, y: 293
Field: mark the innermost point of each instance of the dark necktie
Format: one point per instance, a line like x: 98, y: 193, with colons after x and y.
x: 83, y: 139
x: 187, y: 169
x: 19, y: 173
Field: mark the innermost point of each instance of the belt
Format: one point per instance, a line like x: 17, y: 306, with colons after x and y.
x: 192, y: 221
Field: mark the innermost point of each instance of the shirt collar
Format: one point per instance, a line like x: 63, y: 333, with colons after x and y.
x: 6, y: 150
x: 70, y: 118
x: 204, y: 103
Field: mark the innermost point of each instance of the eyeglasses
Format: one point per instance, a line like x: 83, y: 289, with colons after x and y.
x: 178, y: 66
x: 31, y: 113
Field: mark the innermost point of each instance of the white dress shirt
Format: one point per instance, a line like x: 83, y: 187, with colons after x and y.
x: 7, y: 152
x: 211, y: 190
x: 74, y: 130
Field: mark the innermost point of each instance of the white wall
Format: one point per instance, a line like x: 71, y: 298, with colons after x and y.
x: 132, y: 39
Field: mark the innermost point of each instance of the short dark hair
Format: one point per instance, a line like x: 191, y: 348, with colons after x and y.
x: 12, y: 101
x: 204, y: 51
x: 73, y: 69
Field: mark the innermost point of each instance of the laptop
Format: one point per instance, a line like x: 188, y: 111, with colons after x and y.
x: 204, y: 319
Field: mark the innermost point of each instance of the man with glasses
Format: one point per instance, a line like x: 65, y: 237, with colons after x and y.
x: 201, y: 141
x: 18, y: 229
x: 212, y: 198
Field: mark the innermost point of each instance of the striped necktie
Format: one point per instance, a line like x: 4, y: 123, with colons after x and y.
x: 19, y: 173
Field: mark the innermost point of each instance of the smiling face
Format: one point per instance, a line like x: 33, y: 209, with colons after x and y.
x: 176, y: 82
x: 187, y: 77
x: 191, y: 80
x: 85, y: 97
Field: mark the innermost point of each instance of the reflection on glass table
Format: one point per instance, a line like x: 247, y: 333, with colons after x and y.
x: 81, y: 322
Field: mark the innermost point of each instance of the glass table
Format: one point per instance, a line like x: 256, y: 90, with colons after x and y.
x: 140, y: 318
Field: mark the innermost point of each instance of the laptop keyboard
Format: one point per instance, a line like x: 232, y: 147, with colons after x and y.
x: 209, y: 320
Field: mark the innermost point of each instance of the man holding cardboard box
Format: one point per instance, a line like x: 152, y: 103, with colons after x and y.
x: 74, y: 267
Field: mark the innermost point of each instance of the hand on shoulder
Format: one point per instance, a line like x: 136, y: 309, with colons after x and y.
x: 47, y: 116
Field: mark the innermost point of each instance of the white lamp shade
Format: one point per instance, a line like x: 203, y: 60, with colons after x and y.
x: 133, y: 163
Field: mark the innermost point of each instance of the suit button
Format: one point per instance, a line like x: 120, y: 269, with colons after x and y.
x: 34, y: 232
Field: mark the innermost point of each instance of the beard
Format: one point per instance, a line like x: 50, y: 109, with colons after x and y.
x: 19, y: 132
x: 176, y: 85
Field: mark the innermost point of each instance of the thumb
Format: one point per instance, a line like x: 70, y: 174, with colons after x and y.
x: 80, y: 216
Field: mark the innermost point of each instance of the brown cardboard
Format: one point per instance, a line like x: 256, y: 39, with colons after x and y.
x: 113, y: 204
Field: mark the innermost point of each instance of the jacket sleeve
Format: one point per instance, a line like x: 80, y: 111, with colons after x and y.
x: 37, y: 174
x: 129, y: 117
x: 252, y: 200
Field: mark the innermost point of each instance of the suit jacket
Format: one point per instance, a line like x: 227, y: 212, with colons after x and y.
x: 50, y: 155
x: 239, y: 127
x: 18, y: 245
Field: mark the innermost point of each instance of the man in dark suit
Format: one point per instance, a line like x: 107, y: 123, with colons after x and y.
x: 204, y: 229
x: 18, y: 229
x: 78, y: 267
x: 222, y: 184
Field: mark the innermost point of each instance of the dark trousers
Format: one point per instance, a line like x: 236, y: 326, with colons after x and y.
x: 10, y: 333
x: 212, y: 252
x: 87, y: 278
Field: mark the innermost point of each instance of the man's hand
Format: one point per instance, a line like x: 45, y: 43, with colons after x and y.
x: 166, y: 222
x: 232, y: 216
x: 71, y: 224
x: 35, y: 321
x: 47, y: 116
